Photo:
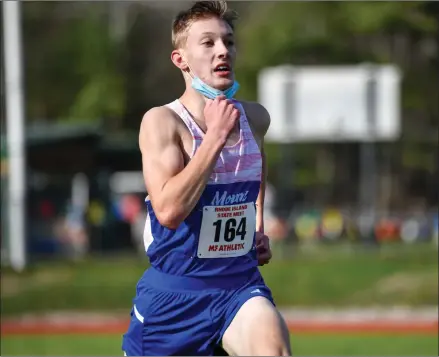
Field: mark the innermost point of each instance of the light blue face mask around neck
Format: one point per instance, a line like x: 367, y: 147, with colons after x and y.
x: 212, y: 93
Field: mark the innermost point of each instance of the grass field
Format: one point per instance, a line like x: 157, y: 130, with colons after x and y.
x: 394, y: 275
x: 303, y: 345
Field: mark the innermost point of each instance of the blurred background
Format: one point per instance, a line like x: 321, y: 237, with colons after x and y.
x: 352, y: 199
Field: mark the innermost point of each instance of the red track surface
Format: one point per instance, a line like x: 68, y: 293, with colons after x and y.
x: 119, y: 326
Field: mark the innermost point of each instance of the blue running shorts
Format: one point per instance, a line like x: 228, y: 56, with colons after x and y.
x: 176, y: 315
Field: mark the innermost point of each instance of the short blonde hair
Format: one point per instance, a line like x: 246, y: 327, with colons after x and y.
x: 200, y: 10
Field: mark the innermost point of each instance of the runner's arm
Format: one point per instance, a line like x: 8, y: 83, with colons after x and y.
x: 259, y: 120
x: 261, y: 196
x: 173, y: 189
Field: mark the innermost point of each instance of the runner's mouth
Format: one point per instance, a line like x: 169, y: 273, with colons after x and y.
x: 223, y: 70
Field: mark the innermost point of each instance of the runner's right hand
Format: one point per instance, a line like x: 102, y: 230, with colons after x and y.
x: 220, y: 115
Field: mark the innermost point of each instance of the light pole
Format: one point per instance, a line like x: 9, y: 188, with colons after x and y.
x: 15, y: 134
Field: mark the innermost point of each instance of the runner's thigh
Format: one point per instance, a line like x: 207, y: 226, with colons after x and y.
x: 257, y: 329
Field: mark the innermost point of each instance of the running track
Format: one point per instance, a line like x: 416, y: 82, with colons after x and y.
x: 390, y: 320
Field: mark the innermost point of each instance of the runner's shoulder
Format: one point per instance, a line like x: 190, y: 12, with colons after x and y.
x: 160, y: 118
x: 257, y: 115
x: 160, y: 125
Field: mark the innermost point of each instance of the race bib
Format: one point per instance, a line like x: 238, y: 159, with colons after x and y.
x: 227, y: 231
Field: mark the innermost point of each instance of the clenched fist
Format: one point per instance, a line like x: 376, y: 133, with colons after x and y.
x: 221, y: 116
x: 263, y: 250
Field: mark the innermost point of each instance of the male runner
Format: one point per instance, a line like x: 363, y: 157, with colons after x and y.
x: 204, y: 171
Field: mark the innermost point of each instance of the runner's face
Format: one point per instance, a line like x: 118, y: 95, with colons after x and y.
x: 210, y: 52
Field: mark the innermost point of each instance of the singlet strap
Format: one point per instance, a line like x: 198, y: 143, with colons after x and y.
x: 183, y: 114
